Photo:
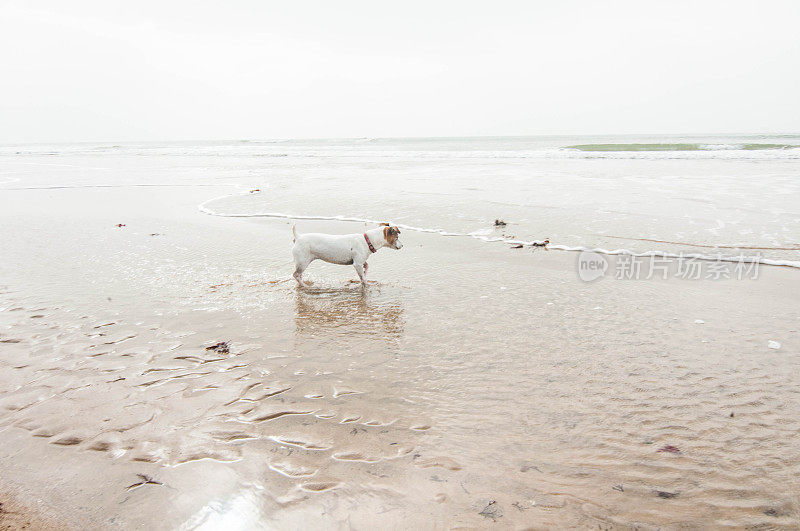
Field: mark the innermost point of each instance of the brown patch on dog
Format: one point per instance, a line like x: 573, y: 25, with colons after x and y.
x: 390, y: 234
x: 383, y: 224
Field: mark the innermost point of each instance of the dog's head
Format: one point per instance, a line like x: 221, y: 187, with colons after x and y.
x: 392, y: 236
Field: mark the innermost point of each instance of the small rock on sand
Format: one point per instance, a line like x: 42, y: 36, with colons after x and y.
x: 773, y: 344
x: 666, y: 495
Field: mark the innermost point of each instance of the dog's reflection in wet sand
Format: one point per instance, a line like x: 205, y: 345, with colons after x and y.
x: 347, y: 312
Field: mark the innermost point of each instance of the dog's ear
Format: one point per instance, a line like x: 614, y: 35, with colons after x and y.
x: 383, y: 224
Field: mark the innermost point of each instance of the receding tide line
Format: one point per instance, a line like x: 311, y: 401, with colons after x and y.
x: 478, y: 236
x: 792, y: 248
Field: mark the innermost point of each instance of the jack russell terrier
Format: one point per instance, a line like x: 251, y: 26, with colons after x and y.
x: 346, y: 249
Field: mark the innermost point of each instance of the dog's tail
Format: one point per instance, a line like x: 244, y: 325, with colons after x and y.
x: 294, y: 233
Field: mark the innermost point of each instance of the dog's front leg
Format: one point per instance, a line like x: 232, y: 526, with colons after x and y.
x: 361, y: 274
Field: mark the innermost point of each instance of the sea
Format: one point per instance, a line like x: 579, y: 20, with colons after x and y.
x: 709, y: 197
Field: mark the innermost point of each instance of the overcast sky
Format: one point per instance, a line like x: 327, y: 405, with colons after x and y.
x: 170, y: 70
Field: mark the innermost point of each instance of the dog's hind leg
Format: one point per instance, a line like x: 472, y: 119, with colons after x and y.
x: 298, y: 276
x: 299, y: 267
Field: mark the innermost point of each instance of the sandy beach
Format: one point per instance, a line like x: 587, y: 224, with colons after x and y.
x: 470, y: 385
x: 590, y: 319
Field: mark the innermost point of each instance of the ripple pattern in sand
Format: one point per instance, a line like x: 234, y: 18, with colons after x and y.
x: 151, y: 394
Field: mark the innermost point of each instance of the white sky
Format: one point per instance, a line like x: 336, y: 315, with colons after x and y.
x: 170, y: 70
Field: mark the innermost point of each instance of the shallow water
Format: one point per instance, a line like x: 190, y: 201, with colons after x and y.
x: 470, y: 384
x: 731, y: 196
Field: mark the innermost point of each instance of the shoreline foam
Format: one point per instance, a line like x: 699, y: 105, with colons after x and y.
x: 203, y: 207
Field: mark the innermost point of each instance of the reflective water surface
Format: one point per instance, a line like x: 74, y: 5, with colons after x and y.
x: 469, y: 385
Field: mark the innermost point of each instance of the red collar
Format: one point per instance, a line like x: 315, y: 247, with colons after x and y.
x: 369, y: 243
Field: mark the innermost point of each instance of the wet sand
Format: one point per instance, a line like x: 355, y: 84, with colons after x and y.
x: 471, y: 385
x: 26, y: 515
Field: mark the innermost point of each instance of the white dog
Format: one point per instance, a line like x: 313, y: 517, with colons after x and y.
x: 346, y: 249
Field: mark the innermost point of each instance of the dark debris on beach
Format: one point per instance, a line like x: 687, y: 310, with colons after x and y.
x: 501, y: 223
x: 492, y: 510
x: 543, y: 244
x: 145, y: 480
x: 670, y: 449
x: 222, y: 347
x: 665, y: 494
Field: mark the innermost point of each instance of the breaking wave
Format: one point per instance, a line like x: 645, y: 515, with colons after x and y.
x: 680, y: 147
